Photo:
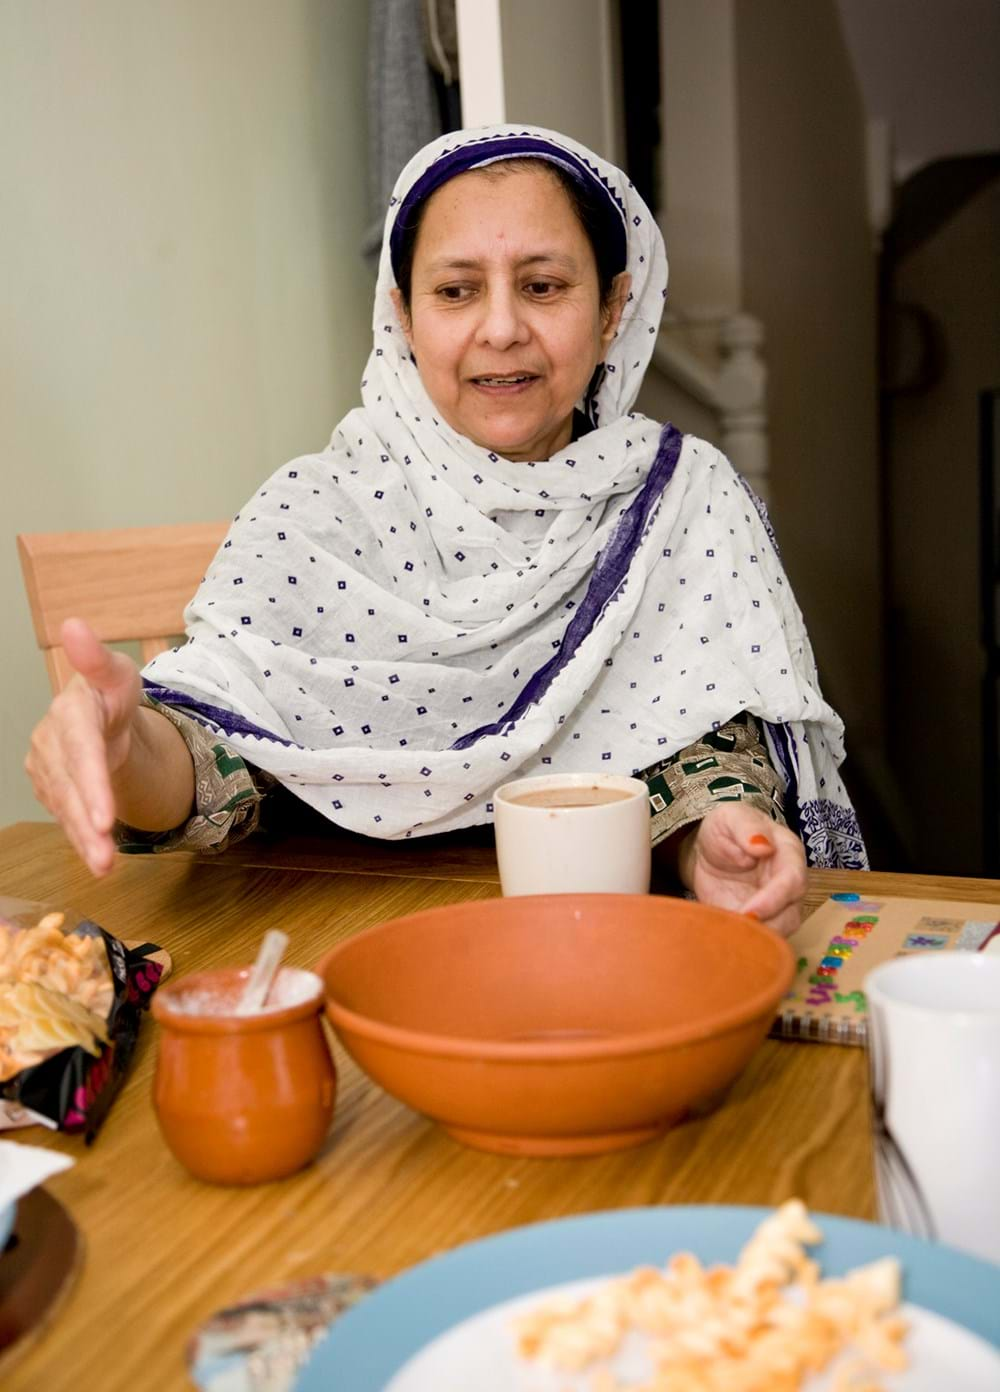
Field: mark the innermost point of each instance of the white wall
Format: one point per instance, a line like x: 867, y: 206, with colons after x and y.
x: 182, y: 302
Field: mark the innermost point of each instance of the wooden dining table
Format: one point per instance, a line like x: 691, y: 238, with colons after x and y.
x: 164, y: 1251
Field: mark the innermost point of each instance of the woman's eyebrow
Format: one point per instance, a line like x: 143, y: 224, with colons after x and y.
x: 464, y: 263
x: 559, y: 258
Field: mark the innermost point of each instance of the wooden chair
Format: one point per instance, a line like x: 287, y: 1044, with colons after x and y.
x: 130, y: 584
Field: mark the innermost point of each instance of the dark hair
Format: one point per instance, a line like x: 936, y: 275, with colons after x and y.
x: 585, y: 202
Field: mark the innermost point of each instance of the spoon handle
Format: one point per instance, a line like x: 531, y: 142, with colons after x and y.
x: 262, y: 973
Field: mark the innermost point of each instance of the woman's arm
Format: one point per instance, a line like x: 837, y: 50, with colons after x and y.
x: 154, y: 789
x: 229, y: 794
x: 98, y: 756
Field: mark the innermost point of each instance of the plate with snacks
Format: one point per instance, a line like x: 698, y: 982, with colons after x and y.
x: 677, y: 1299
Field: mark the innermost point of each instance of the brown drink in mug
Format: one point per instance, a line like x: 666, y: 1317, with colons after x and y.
x: 565, y: 833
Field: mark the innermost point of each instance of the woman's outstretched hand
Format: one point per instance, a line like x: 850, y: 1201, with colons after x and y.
x: 738, y: 858
x: 83, y: 740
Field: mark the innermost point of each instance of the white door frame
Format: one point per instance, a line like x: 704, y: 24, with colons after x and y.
x: 480, y: 62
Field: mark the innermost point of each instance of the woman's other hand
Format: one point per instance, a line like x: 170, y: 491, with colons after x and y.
x: 83, y: 741
x: 738, y: 858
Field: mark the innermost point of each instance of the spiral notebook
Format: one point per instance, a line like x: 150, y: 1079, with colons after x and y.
x: 839, y: 944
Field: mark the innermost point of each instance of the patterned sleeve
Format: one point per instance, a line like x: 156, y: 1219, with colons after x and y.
x: 228, y: 794
x: 730, y: 764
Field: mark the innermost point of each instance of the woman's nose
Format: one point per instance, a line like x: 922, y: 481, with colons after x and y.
x: 503, y: 322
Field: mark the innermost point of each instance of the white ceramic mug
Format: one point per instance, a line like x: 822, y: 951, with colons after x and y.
x: 934, y: 1052
x: 597, y: 848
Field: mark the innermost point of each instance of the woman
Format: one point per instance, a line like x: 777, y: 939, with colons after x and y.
x: 495, y: 567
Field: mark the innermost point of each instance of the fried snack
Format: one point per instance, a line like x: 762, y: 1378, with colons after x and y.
x: 36, y: 1022
x: 74, y: 964
x: 733, y: 1329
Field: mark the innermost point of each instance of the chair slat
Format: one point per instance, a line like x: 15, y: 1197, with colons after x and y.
x: 59, y: 668
x: 149, y: 647
x: 130, y: 584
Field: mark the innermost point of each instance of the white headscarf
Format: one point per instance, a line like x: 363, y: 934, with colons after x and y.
x: 397, y: 625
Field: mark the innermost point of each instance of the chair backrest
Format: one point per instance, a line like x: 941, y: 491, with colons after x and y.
x: 130, y: 584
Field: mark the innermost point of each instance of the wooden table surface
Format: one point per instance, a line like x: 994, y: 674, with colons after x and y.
x: 164, y: 1251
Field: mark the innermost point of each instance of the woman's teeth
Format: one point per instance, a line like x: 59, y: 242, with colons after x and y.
x: 503, y: 381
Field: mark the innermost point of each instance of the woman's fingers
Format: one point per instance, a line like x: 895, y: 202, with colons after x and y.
x: 783, y: 889
x: 784, y: 881
x: 67, y: 755
x: 113, y: 677
x: 84, y: 737
x: 68, y: 760
x: 83, y: 750
x: 735, y: 836
x: 761, y: 863
x: 785, y: 923
x: 95, y: 848
x: 87, y: 653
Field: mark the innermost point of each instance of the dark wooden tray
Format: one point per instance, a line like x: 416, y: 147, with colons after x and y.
x: 37, y: 1271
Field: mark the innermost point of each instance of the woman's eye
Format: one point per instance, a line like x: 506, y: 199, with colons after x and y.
x: 455, y: 293
x: 541, y: 289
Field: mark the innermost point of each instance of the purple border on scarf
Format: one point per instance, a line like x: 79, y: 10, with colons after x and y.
x: 476, y: 153
x: 830, y: 832
x: 609, y: 574
x: 781, y: 737
x: 227, y: 721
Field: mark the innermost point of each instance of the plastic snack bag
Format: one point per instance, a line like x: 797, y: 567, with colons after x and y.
x: 71, y: 1002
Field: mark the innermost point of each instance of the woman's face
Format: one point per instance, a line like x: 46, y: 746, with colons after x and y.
x: 505, y: 320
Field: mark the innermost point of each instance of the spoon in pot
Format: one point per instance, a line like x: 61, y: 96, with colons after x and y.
x: 262, y: 972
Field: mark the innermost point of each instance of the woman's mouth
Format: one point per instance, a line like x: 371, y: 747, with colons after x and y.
x: 504, y: 384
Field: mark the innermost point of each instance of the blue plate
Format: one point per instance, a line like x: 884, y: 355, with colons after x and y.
x: 374, y: 1340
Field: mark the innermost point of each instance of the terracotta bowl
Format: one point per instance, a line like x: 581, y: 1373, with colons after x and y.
x: 559, y: 1024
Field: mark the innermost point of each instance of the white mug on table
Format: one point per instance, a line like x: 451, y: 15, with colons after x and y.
x: 583, y: 833
x: 934, y: 1051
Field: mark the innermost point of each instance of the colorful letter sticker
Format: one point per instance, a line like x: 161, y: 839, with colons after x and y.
x: 919, y: 941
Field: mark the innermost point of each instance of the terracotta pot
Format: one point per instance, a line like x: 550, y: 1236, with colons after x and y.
x: 241, y: 1099
x: 560, y: 1024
